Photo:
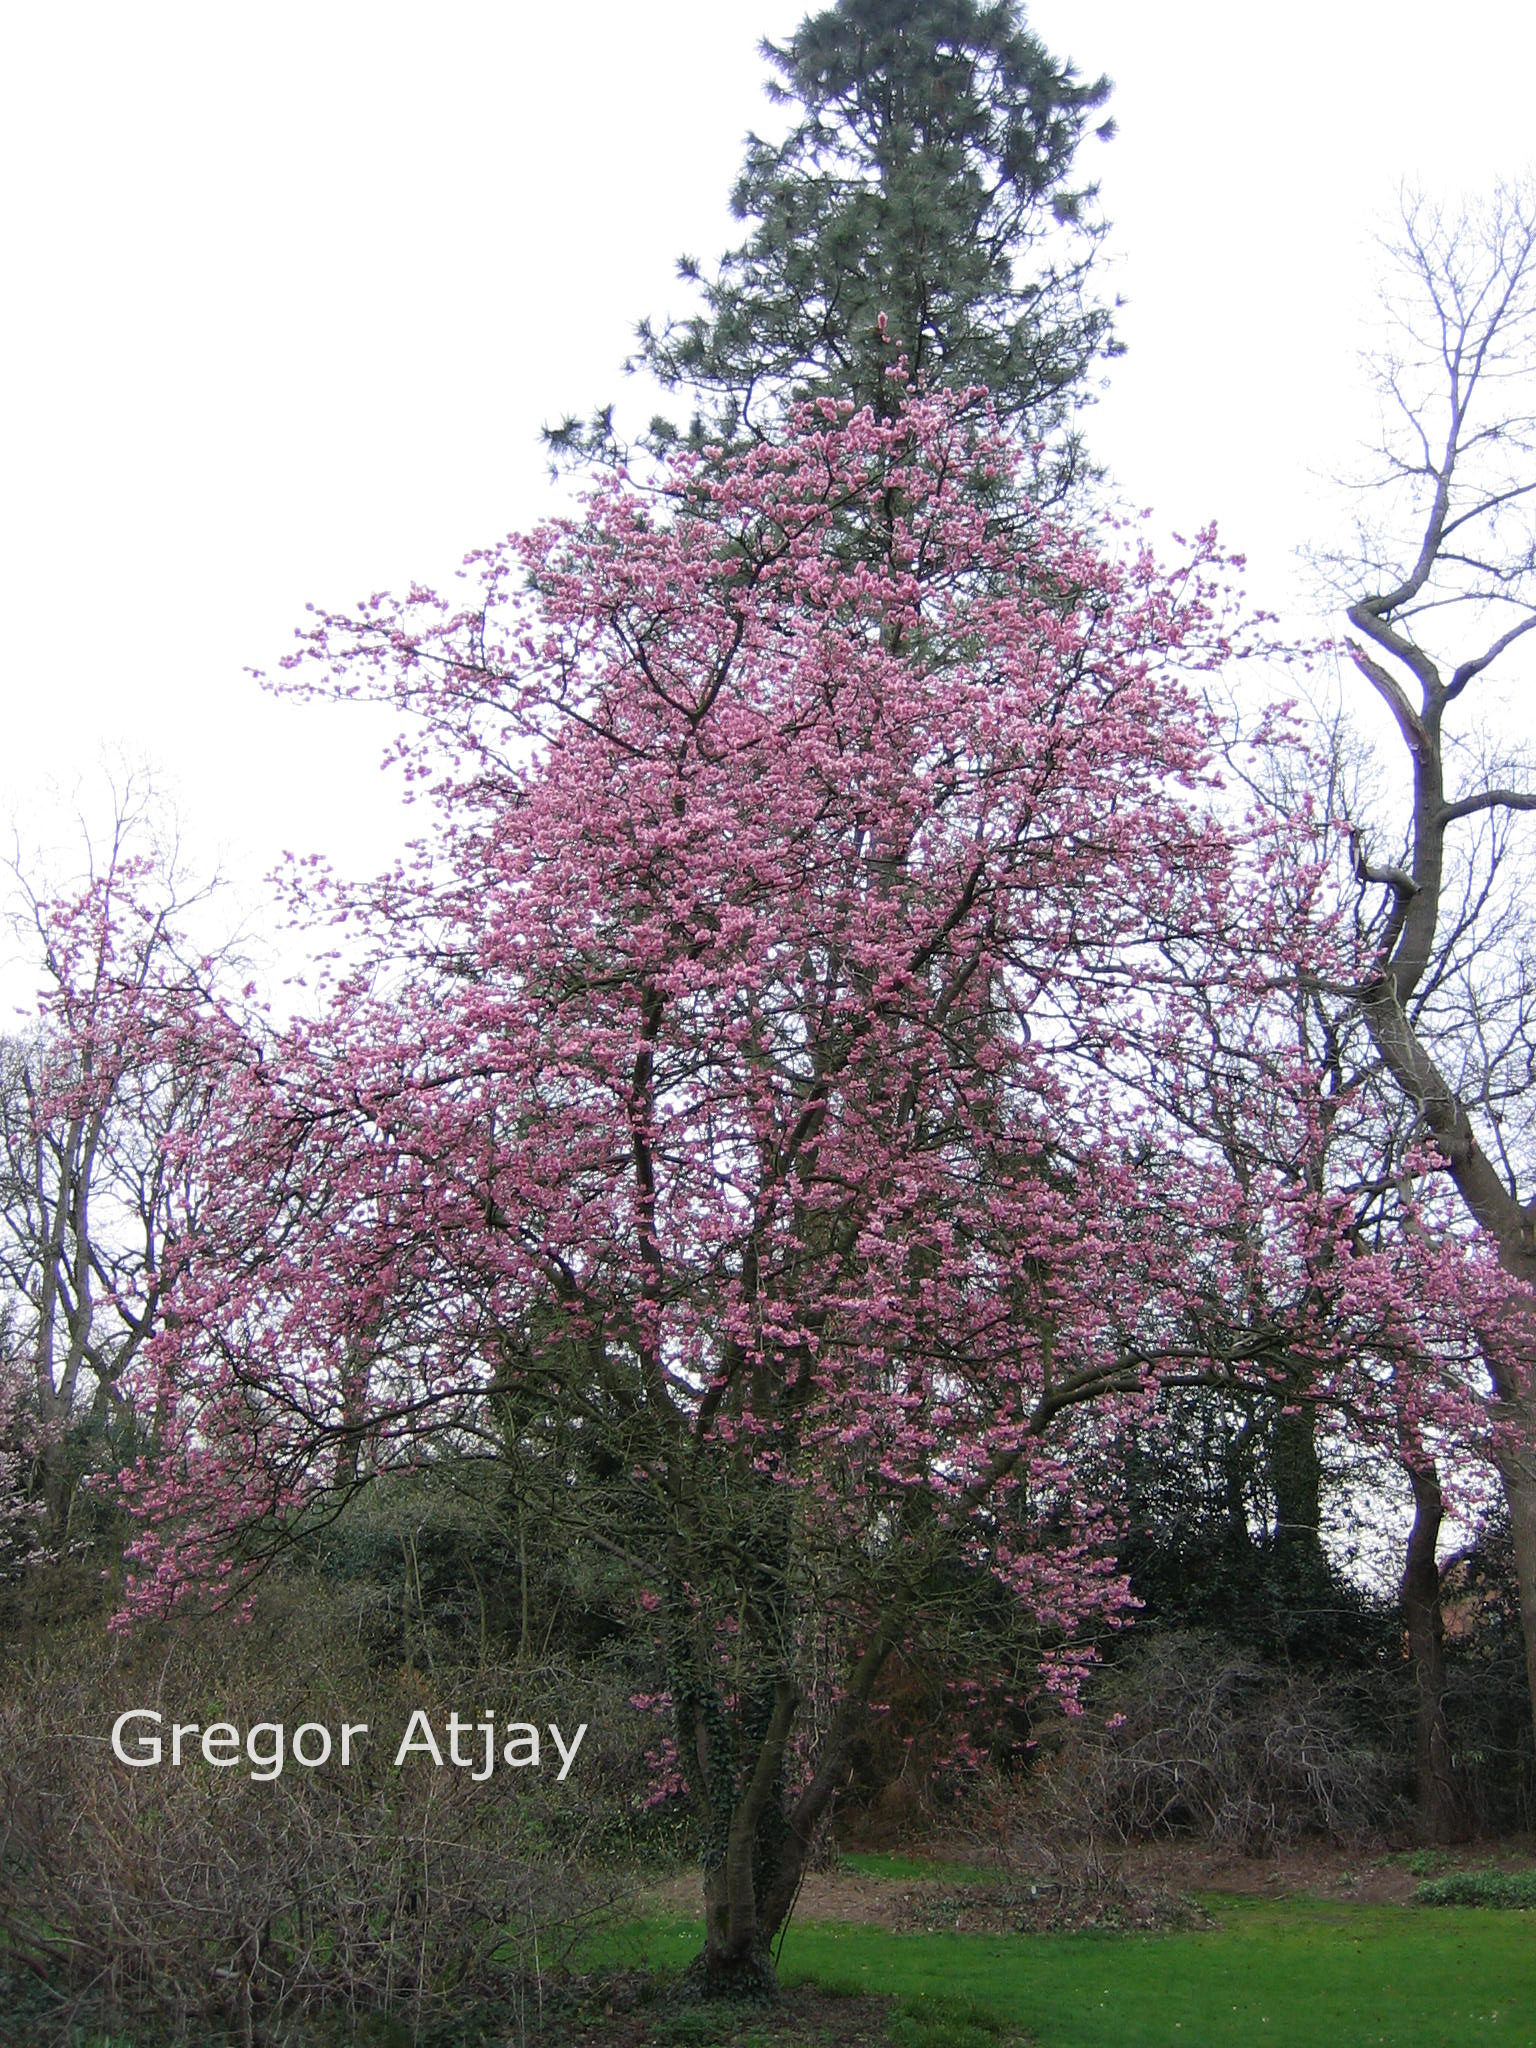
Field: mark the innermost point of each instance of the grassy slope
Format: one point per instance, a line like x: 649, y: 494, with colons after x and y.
x: 1281, y: 1974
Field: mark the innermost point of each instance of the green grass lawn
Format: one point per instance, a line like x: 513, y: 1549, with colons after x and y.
x: 1279, y: 1973
x: 1287, y: 1973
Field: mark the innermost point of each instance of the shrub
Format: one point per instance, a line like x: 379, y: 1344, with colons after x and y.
x: 202, y: 1902
x: 1480, y: 1888
x: 1187, y: 1736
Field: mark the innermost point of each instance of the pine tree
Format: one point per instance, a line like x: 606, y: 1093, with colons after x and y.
x: 921, y: 206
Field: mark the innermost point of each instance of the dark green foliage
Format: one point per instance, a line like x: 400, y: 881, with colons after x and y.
x: 921, y: 206
x: 464, y: 1559
x: 1222, y: 1505
x: 1215, y: 1543
x: 1480, y: 1888
x: 1487, y: 1694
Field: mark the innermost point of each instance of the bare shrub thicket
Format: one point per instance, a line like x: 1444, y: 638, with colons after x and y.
x: 1191, y: 1737
x: 210, y: 1906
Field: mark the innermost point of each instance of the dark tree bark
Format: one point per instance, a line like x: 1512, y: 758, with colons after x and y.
x: 1296, y: 1478
x: 1440, y: 1810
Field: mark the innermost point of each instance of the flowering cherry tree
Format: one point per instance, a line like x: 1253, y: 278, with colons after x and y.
x: 747, y: 1081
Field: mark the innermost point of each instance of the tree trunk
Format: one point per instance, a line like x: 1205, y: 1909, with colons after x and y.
x: 752, y: 1877
x: 1434, y: 1783
x: 1514, y: 1412
x: 1517, y: 1468
x: 57, y: 1489
x: 1511, y: 1351
x: 737, y: 1957
x: 1296, y: 1476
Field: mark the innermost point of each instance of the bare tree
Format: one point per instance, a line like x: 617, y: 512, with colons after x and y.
x: 1440, y: 591
x: 93, y: 1099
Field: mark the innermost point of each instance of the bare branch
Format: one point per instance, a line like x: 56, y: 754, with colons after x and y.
x: 1488, y: 800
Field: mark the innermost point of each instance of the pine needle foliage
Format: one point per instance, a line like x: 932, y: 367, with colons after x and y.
x: 923, y: 206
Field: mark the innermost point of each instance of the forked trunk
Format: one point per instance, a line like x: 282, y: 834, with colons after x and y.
x: 751, y: 1885
x: 737, y: 1957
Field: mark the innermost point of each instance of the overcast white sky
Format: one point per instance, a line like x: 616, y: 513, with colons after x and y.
x: 290, y: 289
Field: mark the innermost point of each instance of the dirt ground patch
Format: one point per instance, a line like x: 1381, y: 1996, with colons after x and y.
x: 825, y: 1895
x: 1005, y: 1904
x: 1373, y: 1874
x: 1146, y: 1886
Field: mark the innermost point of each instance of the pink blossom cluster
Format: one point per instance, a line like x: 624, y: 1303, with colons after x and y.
x: 839, y: 1024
